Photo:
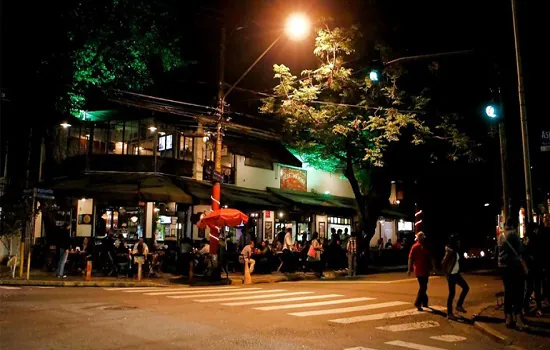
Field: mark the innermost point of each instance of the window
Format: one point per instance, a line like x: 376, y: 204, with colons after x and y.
x: 258, y: 163
x: 186, y: 148
x: 339, y: 220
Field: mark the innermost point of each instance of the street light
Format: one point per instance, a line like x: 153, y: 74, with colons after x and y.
x: 65, y: 125
x: 297, y: 26
x: 491, y: 111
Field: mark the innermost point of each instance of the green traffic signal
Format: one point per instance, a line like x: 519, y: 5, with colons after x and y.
x: 491, y: 111
x: 373, y: 75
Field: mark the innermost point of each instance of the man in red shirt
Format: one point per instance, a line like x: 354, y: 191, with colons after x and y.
x: 420, y: 260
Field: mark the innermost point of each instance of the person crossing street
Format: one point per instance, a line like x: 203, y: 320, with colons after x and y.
x: 420, y: 261
x: 450, y: 265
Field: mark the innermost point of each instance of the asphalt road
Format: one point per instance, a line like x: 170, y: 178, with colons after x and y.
x: 371, y: 313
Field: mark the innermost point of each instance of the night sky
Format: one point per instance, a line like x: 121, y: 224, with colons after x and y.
x: 453, y: 195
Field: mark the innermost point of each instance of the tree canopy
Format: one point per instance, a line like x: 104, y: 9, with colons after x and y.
x: 116, y: 44
x: 339, y: 119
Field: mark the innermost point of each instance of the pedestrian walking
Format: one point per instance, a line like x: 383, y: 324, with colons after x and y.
x: 63, y: 240
x: 513, y: 271
x: 351, y: 251
x: 420, y: 261
x: 451, y: 267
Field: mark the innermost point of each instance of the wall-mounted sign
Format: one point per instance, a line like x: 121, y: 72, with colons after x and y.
x: 169, y: 142
x: 545, y: 141
x: 162, y: 143
x: 293, y: 179
x: 84, y: 219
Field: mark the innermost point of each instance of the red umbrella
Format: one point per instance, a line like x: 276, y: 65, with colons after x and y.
x: 223, y: 217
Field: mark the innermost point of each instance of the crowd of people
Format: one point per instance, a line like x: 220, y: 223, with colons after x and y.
x: 524, y: 267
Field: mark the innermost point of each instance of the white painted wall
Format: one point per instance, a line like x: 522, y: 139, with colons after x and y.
x: 317, y: 180
x: 84, y: 206
x: 149, y: 213
x: 322, y: 181
x: 255, y: 178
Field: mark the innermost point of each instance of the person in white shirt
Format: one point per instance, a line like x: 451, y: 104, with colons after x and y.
x: 140, y: 252
x: 450, y: 265
x: 287, y: 243
x: 247, y: 255
x: 205, y: 250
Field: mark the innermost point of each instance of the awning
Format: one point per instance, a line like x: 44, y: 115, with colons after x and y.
x: 261, y: 149
x: 232, y: 196
x: 147, y: 187
x: 317, y: 202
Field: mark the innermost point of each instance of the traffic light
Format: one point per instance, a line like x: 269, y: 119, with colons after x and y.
x: 492, y: 111
x: 373, y: 75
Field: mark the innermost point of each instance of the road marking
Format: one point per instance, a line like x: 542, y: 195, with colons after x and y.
x: 383, y: 316
x: 265, y: 296
x: 405, y: 344
x: 8, y: 287
x: 44, y: 287
x: 131, y: 288
x: 222, y: 294
x: 319, y: 303
x: 178, y: 289
x: 409, y: 326
x: 188, y: 291
x: 360, y: 282
x: 284, y: 300
x: 448, y: 338
x: 359, y: 348
x: 348, y: 309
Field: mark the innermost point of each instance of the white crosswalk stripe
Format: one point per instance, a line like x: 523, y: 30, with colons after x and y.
x: 253, y: 299
x: 348, y: 309
x: 383, y: 316
x: 409, y: 326
x: 131, y: 288
x: 248, y: 291
x: 8, y: 287
x: 449, y: 338
x: 188, y: 291
x: 409, y: 345
x: 359, y: 348
x: 319, y: 303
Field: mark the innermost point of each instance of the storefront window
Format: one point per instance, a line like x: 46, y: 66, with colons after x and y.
x: 127, y: 221
x: 338, y: 223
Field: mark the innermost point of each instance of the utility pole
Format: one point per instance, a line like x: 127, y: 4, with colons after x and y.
x: 503, y: 169
x: 523, y: 117
x: 216, y: 176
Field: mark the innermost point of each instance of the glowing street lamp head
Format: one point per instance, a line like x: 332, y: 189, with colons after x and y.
x: 65, y: 125
x: 297, y: 26
x: 152, y: 128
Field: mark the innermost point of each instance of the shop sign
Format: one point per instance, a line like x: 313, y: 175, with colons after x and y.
x: 545, y: 141
x: 293, y: 179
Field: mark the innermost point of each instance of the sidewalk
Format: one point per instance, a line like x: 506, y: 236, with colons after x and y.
x: 490, y: 320
x: 42, y: 278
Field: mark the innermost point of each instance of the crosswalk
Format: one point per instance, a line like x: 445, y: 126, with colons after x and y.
x: 307, y: 303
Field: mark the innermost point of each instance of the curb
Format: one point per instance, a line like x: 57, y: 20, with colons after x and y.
x: 493, y: 333
x: 79, y: 283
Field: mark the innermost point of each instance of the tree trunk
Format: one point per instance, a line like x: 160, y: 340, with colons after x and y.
x: 369, y: 211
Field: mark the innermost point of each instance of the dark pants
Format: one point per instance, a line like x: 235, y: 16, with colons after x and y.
x: 316, y: 266
x: 514, y: 288
x: 422, y: 296
x: 452, y: 281
x: 533, y: 284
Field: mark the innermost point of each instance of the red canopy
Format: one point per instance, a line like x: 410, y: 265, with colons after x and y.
x: 223, y: 217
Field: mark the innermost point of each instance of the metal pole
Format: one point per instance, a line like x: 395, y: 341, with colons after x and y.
x: 503, y: 169
x: 523, y: 117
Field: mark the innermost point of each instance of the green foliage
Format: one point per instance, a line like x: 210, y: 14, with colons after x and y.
x: 337, y: 119
x: 115, y: 44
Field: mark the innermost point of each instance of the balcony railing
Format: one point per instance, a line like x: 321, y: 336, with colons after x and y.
x: 125, y: 163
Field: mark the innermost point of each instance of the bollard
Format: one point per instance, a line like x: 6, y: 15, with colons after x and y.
x: 89, y: 270
x: 21, y: 258
x: 28, y: 266
x: 247, y: 277
x: 139, y: 271
x: 190, y: 272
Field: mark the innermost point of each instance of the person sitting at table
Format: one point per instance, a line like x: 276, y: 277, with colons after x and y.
x: 247, y: 255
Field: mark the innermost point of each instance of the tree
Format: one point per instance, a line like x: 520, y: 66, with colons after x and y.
x: 339, y: 120
x: 113, y: 44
